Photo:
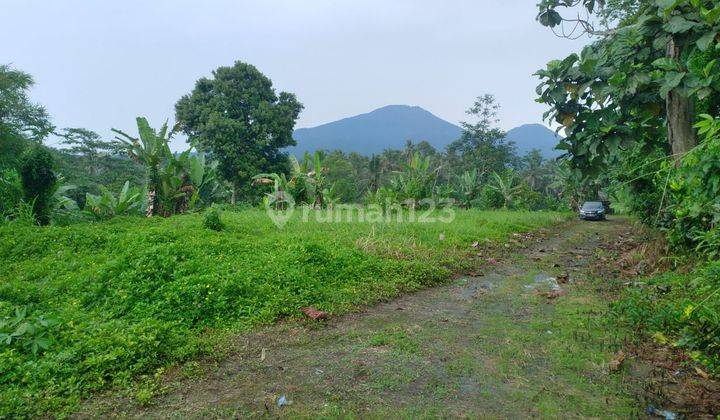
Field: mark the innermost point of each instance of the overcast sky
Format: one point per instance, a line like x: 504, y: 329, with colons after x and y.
x: 100, y: 63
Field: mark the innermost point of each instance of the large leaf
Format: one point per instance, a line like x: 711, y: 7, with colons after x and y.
x: 704, y: 41
x: 672, y: 80
x: 667, y: 64
x: 678, y: 25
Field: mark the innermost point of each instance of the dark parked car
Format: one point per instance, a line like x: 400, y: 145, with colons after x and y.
x: 592, y: 210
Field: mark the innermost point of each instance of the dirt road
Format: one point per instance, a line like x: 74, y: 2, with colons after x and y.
x: 504, y: 342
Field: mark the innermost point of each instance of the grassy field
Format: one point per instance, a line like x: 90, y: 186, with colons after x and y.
x: 115, y: 300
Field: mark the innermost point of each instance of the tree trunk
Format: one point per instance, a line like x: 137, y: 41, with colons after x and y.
x: 233, y: 198
x: 150, y: 203
x: 680, y: 116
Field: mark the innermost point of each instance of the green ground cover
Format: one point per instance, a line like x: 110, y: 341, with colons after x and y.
x: 96, y: 305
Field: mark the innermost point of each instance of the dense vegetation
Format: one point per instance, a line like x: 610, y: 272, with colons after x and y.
x: 105, y: 302
x: 641, y: 110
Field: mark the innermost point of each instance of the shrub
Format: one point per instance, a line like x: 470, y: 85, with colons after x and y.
x: 10, y: 192
x: 212, y: 220
x: 25, y: 333
x: 38, y: 182
x: 489, y: 198
x: 107, y: 206
x: 683, y: 309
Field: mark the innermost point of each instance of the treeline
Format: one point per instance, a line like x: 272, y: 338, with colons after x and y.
x: 237, y: 127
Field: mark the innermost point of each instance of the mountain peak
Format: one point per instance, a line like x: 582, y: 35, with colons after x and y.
x: 390, y: 126
x: 535, y: 136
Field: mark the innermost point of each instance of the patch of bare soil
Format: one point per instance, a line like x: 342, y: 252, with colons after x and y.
x: 672, y: 382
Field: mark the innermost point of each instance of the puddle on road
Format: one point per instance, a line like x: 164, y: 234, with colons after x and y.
x: 474, y: 287
x: 544, y: 280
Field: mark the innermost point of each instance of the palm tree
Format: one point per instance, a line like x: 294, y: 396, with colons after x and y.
x: 534, y: 171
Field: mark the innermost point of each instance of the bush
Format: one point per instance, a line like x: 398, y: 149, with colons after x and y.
x: 38, y: 182
x: 107, y: 205
x: 10, y: 192
x: 488, y: 199
x: 212, y: 220
x: 682, y: 309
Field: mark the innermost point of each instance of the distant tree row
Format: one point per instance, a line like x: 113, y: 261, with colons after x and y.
x: 237, y: 126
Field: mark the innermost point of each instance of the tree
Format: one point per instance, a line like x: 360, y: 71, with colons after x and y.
x: 176, y: 182
x: 89, y: 145
x: 506, y: 185
x: 150, y: 149
x: 482, y: 146
x: 534, y: 170
x: 662, y: 47
x: 20, y: 120
x: 39, y: 182
x: 239, y: 119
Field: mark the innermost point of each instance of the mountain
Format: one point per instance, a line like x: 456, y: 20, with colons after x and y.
x: 535, y: 136
x: 391, y: 126
x: 388, y: 127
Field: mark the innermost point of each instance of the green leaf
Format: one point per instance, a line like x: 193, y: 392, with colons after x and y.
x: 666, y: 5
x: 549, y: 18
x: 711, y: 16
x: 704, y: 41
x: 679, y: 24
x: 672, y: 80
x: 667, y: 64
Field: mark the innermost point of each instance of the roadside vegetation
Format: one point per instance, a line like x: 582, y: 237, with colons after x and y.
x: 640, y: 107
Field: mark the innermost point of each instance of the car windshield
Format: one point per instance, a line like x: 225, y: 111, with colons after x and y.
x: 592, y: 205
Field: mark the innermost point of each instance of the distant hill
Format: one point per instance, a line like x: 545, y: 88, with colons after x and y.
x: 388, y: 127
x: 535, y: 136
x: 391, y: 126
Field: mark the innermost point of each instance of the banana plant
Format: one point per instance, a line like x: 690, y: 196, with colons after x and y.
x: 278, y: 198
x: 316, y: 177
x: 204, y: 176
x: 506, y: 185
x: 468, y: 185
x: 189, y: 179
x: 107, y: 205
x: 298, y: 184
x: 417, y: 179
x: 151, y: 149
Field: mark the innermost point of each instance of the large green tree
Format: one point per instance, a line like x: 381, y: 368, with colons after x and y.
x: 88, y: 145
x: 238, y: 118
x: 21, y: 120
x: 659, y: 61
x: 482, y: 145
